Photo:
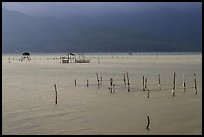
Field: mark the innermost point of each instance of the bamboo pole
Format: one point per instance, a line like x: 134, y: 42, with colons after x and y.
x: 174, y: 83
x: 97, y: 79
x: 114, y: 88
x: 148, y: 123
x: 55, y: 93
x: 128, y: 82
x: 148, y: 93
x: 196, y: 91
x: 68, y: 58
x: 87, y: 83
x: 143, y: 84
x: 75, y: 82
x: 174, y: 87
x: 111, y: 84
x: 159, y: 83
x: 124, y: 78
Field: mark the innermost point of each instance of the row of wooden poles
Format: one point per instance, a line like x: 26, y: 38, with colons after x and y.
x: 144, y: 84
x: 112, y: 87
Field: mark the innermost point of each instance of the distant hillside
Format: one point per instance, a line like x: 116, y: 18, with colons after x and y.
x: 99, y: 34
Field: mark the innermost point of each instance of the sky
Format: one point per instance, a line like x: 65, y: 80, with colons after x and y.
x: 93, y: 8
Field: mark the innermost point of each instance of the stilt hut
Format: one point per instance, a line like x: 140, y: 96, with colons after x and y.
x: 69, y: 58
x: 25, y: 55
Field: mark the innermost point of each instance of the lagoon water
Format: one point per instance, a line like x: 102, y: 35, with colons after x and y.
x: 28, y: 95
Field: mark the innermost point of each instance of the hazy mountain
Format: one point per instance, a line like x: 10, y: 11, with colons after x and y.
x: 164, y: 30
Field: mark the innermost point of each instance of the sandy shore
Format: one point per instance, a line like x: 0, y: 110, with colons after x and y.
x: 28, y: 105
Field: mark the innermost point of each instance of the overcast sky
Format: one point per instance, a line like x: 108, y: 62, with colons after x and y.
x: 62, y: 8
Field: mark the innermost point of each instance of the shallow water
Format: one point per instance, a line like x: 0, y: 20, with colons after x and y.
x: 28, y: 105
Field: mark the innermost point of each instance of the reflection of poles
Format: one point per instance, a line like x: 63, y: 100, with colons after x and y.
x: 101, y: 80
x: 114, y: 88
x: 184, y: 83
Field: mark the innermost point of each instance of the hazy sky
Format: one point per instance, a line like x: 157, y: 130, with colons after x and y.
x: 92, y: 8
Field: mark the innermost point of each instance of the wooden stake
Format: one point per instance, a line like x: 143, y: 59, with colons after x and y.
x: 55, y: 93
x: 87, y: 83
x: 159, y: 83
x: 143, y: 84
x: 148, y: 122
x: 148, y: 93
x: 196, y: 91
x: 128, y: 82
x: 97, y: 79
x: 174, y: 82
x: 111, y: 84
x: 124, y: 78
x: 68, y: 57
x: 75, y: 82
